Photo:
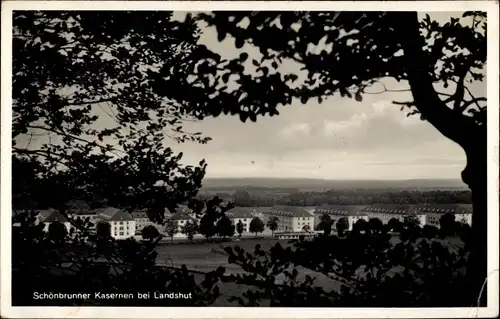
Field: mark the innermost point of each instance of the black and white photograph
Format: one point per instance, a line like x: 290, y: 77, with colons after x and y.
x: 305, y: 159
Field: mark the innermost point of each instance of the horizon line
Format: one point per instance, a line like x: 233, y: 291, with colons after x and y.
x: 331, y: 179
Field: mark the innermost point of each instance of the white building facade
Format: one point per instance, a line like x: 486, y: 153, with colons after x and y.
x: 242, y: 214
x: 49, y: 216
x: 122, y: 224
x: 386, y: 212
x: 433, y: 213
x: 181, y: 218
x: 351, y: 214
x: 290, y: 218
x: 142, y: 221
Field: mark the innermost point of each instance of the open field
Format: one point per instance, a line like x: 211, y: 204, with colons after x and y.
x: 209, y: 256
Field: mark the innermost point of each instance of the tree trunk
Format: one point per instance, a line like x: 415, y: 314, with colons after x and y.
x: 459, y: 128
x: 475, y: 176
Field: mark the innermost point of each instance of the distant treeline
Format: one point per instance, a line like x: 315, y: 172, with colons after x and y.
x: 347, y: 197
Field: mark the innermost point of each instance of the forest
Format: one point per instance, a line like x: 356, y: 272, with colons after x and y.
x: 344, y: 197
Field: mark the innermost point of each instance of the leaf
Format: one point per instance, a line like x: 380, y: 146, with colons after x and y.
x: 221, y: 35
x: 358, y: 96
x: 252, y: 117
x: 303, y: 99
x: 243, y: 117
x: 255, y: 62
x: 243, y: 56
x: 239, y: 42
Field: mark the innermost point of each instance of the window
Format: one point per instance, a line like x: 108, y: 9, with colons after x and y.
x: 121, y: 222
x: 121, y: 233
x: 121, y: 228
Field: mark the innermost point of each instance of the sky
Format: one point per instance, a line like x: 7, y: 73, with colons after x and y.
x: 338, y: 139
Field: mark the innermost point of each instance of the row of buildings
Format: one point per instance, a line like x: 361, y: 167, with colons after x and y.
x: 290, y: 218
x: 426, y: 214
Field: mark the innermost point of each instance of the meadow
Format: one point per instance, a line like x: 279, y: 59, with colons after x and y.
x: 206, y: 257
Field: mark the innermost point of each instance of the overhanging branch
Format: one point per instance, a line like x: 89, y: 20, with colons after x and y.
x: 451, y: 124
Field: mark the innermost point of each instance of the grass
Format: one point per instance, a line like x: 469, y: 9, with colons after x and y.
x: 209, y: 256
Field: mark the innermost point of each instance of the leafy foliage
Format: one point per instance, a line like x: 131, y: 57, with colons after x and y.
x: 366, y: 268
x: 358, y: 38
x: 447, y: 223
x: 225, y: 227
x: 256, y: 225
x: 342, y: 225
x: 411, y: 220
x: 272, y: 224
x: 359, y: 51
x: 190, y: 229
x: 429, y: 231
x: 103, y: 230
x: 57, y: 231
x: 150, y: 233
x: 395, y: 225
x: 171, y: 228
x: 325, y: 224
x: 86, y: 96
x: 360, y: 226
x: 81, y: 263
x: 239, y: 227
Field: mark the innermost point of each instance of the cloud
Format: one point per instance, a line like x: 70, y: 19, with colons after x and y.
x: 296, y: 130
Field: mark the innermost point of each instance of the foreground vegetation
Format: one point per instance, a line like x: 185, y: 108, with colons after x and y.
x: 349, y: 270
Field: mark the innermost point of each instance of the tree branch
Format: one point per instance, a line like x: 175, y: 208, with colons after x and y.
x: 42, y: 153
x: 72, y: 103
x: 474, y: 101
x: 426, y: 99
x: 62, y: 133
x: 459, y: 92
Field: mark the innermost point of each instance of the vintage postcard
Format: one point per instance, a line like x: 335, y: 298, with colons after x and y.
x: 305, y: 159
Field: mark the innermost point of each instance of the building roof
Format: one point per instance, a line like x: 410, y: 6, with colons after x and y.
x: 83, y: 212
x: 139, y: 214
x: 181, y: 215
x: 443, y: 208
x: 112, y: 214
x: 50, y: 215
x: 396, y: 209
x: 290, y: 211
x: 77, y: 204
x: 418, y: 209
x: 240, y: 212
x: 339, y: 210
x: 79, y: 207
